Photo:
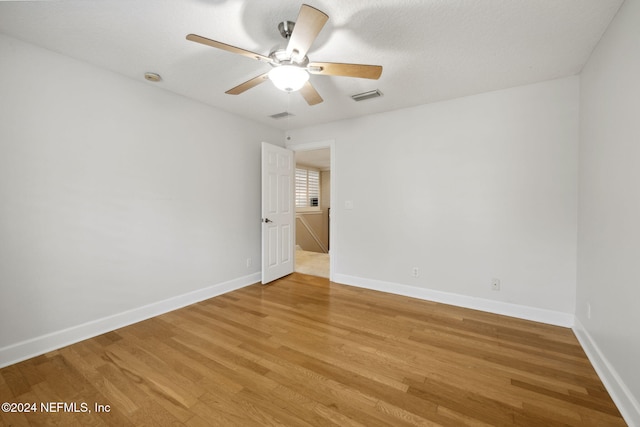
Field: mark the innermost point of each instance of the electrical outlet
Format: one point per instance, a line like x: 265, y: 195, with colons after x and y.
x: 495, y: 284
x: 415, y: 272
x: 249, y: 262
x: 588, y: 310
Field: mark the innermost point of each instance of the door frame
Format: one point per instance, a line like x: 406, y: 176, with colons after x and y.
x: 333, y: 221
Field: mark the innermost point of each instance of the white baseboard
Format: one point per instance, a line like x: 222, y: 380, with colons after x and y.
x: 18, y: 352
x: 619, y: 392
x: 514, y: 310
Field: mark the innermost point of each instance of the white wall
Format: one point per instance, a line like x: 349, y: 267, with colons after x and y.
x: 466, y: 190
x: 114, y: 194
x: 609, y: 208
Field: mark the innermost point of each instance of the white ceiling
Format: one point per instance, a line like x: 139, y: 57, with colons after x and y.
x: 319, y: 159
x: 431, y: 50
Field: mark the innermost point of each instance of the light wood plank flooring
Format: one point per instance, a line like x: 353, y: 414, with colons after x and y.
x: 306, y: 352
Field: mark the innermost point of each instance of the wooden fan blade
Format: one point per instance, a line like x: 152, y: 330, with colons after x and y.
x: 347, y: 70
x: 248, y: 84
x: 199, y: 39
x: 310, y: 94
x: 310, y: 22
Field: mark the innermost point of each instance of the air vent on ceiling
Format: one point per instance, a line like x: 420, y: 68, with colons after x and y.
x: 281, y: 115
x: 366, y: 95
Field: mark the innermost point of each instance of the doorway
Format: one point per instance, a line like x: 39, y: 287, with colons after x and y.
x: 315, y: 220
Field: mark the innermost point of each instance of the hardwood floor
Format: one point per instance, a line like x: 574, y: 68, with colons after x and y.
x: 306, y: 352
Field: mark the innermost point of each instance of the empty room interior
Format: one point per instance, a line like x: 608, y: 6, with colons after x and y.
x: 464, y: 174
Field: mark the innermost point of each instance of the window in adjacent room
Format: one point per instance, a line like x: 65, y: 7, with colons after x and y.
x: 307, y: 189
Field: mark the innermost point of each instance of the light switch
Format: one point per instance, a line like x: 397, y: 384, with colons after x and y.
x: 348, y: 204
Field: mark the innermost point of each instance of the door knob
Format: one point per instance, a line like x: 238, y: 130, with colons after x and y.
x: 267, y: 220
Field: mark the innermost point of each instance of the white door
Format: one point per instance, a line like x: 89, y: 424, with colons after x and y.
x: 278, y: 212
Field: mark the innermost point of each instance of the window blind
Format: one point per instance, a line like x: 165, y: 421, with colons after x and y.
x: 307, y: 188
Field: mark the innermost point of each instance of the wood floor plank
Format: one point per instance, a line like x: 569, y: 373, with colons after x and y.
x: 15, y: 380
x: 303, y: 351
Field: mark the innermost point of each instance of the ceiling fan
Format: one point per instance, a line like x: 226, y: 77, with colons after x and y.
x: 291, y: 66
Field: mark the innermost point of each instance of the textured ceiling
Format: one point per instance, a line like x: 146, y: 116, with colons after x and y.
x: 431, y: 50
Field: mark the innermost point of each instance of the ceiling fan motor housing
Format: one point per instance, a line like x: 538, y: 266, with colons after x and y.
x: 281, y: 57
x: 279, y: 53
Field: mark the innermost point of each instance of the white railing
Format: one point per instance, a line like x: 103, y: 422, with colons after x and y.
x: 312, y: 233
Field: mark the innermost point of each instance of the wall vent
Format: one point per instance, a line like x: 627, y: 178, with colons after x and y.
x: 366, y: 95
x: 281, y: 115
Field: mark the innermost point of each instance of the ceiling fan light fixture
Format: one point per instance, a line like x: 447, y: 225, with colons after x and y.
x: 288, y: 78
